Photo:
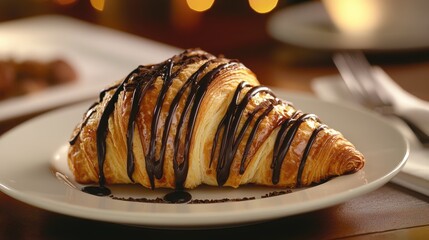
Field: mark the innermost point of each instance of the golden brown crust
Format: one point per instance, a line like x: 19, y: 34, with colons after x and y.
x: 330, y: 154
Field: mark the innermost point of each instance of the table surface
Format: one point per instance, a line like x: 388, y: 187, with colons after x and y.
x: 391, y: 211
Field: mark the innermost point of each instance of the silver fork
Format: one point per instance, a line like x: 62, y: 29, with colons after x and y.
x: 358, y: 76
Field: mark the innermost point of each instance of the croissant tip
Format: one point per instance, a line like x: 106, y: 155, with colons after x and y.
x: 355, y: 163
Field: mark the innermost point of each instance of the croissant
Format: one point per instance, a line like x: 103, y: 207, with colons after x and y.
x: 199, y: 119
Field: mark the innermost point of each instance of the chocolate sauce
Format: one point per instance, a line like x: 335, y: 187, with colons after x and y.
x: 188, y: 200
x: 100, y: 191
x: 197, y: 93
x: 138, y: 94
x: 284, y: 140
x: 306, y: 152
x: 103, y: 127
x: 229, y: 135
x: 89, y: 112
x: 177, y: 197
x: 229, y: 127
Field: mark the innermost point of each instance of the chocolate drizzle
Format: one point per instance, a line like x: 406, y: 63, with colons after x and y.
x: 103, y: 127
x: 231, y: 132
x: 307, y: 151
x: 284, y: 140
x: 89, y: 112
x: 228, y: 127
x: 198, y: 90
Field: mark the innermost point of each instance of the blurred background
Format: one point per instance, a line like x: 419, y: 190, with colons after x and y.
x: 241, y: 29
x: 217, y: 26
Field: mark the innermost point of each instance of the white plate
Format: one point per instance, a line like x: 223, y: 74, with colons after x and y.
x: 308, y: 25
x: 32, y: 152
x: 99, y: 56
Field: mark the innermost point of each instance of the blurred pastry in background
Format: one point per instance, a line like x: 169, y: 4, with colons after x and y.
x: 24, y: 77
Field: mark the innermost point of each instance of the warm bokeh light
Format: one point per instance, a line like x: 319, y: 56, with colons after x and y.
x: 98, y: 4
x: 65, y: 2
x: 263, y: 6
x: 200, y: 5
x: 183, y: 17
x: 354, y: 17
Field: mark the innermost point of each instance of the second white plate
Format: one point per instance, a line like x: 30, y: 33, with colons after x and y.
x: 308, y: 25
x: 98, y: 54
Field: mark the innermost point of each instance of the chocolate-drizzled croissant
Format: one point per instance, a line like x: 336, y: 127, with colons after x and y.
x: 198, y: 119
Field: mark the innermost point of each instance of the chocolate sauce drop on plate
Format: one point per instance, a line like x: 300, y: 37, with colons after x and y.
x: 177, y: 197
x: 100, y: 191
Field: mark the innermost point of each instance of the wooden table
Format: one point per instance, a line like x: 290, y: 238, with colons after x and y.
x: 391, y: 211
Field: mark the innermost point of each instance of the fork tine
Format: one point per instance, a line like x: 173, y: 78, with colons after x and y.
x: 357, y: 74
x: 350, y: 77
x: 373, y: 81
x: 367, y: 79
